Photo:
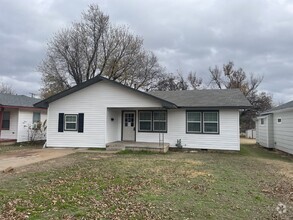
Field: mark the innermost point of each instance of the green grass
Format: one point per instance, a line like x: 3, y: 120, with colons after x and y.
x: 260, y: 152
x: 135, y: 185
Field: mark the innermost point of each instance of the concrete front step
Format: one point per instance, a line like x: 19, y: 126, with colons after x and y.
x: 137, y: 146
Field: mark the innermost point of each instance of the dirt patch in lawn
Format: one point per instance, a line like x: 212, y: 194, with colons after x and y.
x: 284, y: 168
x: 25, y: 157
x: 247, y: 141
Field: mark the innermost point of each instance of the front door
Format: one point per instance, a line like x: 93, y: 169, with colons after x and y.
x: 128, y: 126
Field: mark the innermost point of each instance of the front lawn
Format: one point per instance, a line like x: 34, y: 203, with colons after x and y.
x: 201, y: 185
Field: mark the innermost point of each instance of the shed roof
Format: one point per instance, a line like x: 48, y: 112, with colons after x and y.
x: 279, y: 108
x: 17, y: 100
x: 230, y: 98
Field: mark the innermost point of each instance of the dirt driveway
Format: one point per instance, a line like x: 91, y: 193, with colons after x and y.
x: 247, y: 141
x: 25, y: 157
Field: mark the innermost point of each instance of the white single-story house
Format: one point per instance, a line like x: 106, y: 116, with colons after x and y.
x: 274, y: 128
x: 100, y: 111
x: 17, y: 114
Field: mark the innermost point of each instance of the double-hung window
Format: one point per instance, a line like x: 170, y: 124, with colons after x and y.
x: 145, y: 120
x: 152, y: 121
x: 70, y: 122
x: 193, y: 122
x: 210, y: 122
x: 206, y: 122
x: 159, y: 121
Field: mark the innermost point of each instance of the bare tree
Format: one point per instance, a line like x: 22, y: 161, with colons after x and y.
x: 230, y: 78
x: 194, y: 81
x: 172, y: 82
x: 94, y: 47
x: 6, y: 89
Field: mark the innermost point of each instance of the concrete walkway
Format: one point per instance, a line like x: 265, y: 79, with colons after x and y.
x: 24, y: 157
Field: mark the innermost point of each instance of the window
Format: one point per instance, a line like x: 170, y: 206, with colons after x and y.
x: 145, y: 121
x: 206, y: 122
x: 279, y: 121
x: 70, y: 122
x: 152, y: 121
x: 129, y: 119
x: 6, y: 120
x: 210, y: 122
x: 194, y: 122
x: 36, y: 117
x: 262, y: 121
x: 159, y: 121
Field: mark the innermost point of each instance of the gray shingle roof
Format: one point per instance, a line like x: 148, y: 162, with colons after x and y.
x: 17, y: 100
x: 232, y: 98
x: 280, y: 107
x: 229, y: 98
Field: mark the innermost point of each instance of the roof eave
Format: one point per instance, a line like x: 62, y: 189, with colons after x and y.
x: 217, y: 107
x: 23, y: 107
x: 45, y: 103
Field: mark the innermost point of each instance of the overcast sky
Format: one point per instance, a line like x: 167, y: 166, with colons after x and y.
x: 186, y: 35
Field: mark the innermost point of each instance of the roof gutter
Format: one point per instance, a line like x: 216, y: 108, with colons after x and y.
x: 22, y: 107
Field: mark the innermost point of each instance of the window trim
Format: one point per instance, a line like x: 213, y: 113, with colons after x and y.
x: 202, y: 122
x: 6, y: 129
x: 76, y: 123
x: 262, y: 122
x: 152, y: 121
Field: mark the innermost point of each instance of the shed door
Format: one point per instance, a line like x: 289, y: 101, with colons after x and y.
x: 128, y: 126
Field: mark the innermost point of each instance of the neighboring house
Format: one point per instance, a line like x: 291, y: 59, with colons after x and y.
x: 100, y: 111
x: 274, y: 128
x: 250, y: 133
x: 16, y: 114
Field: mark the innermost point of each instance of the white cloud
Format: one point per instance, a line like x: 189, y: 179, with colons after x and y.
x: 187, y: 35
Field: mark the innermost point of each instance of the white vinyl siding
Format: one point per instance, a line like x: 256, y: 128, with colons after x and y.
x: 265, y: 131
x: 105, y: 101
x: 113, y: 125
x: 96, y: 102
x: 25, y: 119
x: 283, y: 132
x: 227, y: 139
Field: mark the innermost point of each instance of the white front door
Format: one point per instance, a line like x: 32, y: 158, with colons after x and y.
x: 128, y: 126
